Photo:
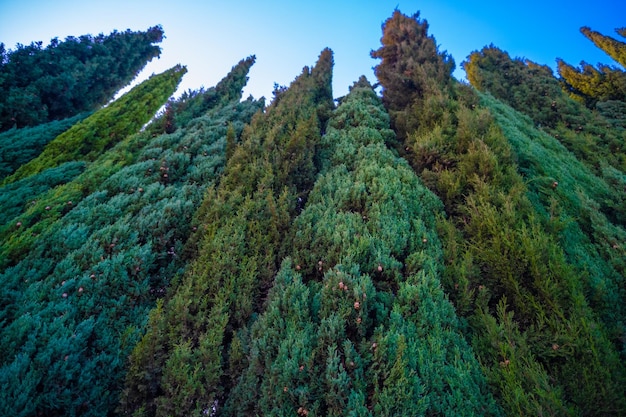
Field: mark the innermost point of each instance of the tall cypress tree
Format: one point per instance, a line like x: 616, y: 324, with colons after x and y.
x: 356, y: 322
x: 38, y: 84
x: 104, y: 263
x: 91, y: 140
x: 504, y: 270
x: 179, y: 367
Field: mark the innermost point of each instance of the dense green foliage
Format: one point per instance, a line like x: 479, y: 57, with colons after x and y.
x: 38, y: 84
x: 18, y: 146
x: 541, y: 345
x: 594, y: 138
x: 438, y: 249
x: 110, y: 125
x: 357, y: 323
x: 90, y: 138
x: 180, y: 367
x: 96, y: 271
x: 583, y: 198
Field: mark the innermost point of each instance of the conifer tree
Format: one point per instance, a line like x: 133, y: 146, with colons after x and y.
x: 530, y: 323
x: 357, y: 323
x: 18, y: 146
x: 104, y: 263
x: 90, y: 140
x: 607, y: 82
x: 179, y: 367
x: 595, y: 140
x: 38, y: 84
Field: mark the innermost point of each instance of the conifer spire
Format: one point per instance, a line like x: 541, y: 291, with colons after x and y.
x: 38, y: 84
x: 192, y: 347
x: 603, y: 83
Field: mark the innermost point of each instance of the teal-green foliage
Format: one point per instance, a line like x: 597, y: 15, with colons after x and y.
x: 17, y: 196
x: 78, y: 301
x: 357, y: 322
x: 180, y: 365
x: 18, y: 146
x: 569, y: 197
x: 542, y: 346
x: 120, y: 119
x: 39, y: 85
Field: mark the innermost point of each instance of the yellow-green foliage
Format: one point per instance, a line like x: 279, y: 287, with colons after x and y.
x: 121, y: 118
x: 88, y: 139
x: 595, y: 136
x: 607, y: 82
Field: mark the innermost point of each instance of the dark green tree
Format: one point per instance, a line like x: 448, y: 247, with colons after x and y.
x: 38, y: 84
x: 102, y: 265
x: 357, y: 322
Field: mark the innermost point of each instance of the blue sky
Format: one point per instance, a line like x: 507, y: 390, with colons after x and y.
x: 210, y: 36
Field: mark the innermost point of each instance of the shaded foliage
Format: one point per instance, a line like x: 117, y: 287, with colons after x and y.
x: 79, y: 299
x: 38, y: 84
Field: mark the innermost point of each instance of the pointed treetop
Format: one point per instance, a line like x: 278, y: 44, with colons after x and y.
x: 613, y: 48
x: 232, y: 85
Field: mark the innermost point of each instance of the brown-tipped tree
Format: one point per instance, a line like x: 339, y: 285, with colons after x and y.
x: 415, y: 83
x: 530, y: 323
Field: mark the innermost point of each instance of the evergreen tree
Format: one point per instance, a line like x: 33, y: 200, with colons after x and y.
x: 530, y: 322
x: 596, y: 141
x: 102, y: 265
x: 38, y: 84
x: 179, y: 367
x: 89, y: 140
x: 604, y: 83
x: 18, y: 146
x: 357, y: 323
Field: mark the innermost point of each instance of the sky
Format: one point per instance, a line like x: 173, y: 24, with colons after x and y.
x: 210, y: 36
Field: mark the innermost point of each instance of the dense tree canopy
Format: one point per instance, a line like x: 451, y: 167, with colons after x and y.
x: 181, y: 365
x: 39, y: 84
x: 437, y: 248
x: 504, y: 268
x: 105, y: 140
x: 94, y: 273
